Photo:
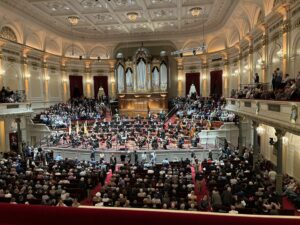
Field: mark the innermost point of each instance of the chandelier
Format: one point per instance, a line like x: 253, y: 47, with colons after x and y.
x: 73, y: 20
x: 132, y: 16
x: 195, y: 11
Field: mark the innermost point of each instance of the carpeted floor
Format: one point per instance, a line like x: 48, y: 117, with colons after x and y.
x: 199, y: 192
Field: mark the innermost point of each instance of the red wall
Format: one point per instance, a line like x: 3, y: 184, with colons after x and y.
x: 76, y: 87
x: 216, y: 85
x: 192, y: 78
x: 45, y: 215
x: 100, y: 81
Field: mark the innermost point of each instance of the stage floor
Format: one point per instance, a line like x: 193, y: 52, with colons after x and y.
x: 171, y: 154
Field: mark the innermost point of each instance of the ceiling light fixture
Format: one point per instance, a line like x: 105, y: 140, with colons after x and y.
x: 195, y: 11
x: 73, y: 20
x: 132, y: 16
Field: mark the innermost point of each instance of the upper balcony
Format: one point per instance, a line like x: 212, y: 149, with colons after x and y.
x: 280, y: 114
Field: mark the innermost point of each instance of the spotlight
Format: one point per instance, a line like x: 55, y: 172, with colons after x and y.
x: 194, y: 52
x: 80, y: 57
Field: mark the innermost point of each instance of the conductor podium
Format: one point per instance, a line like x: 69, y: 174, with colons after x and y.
x: 142, y: 103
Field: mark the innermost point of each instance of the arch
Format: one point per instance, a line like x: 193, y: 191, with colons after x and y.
x: 259, y: 17
x: 233, y: 38
x: 98, y: 51
x: 12, y: 76
x: 74, y: 51
x: 191, y: 44
x: 268, y: 6
x: 294, y: 45
x: 216, y: 44
x: 52, y: 46
x: 33, y: 40
x: 8, y: 33
x: 274, y: 47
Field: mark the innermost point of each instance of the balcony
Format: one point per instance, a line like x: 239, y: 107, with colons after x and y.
x: 15, y: 109
x: 281, y: 114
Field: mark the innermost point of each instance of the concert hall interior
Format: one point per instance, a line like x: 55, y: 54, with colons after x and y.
x: 149, y: 111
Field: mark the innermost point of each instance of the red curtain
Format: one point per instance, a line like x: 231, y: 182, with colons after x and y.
x: 100, y: 81
x: 76, y: 86
x: 216, y: 88
x: 192, y: 78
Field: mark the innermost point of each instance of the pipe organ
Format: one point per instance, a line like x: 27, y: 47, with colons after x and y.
x: 142, y: 83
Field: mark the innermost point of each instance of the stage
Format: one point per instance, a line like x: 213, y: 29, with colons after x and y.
x: 172, y: 155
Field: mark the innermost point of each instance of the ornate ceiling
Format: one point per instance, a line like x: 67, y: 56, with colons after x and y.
x: 104, y: 27
x: 104, y: 18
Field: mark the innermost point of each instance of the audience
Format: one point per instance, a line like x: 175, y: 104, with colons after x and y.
x: 9, y: 96
x: 286, y: 89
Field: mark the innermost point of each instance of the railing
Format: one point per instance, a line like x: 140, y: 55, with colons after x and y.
x: 253, y: 85
x: 36, y: 215
x: 282, y: 114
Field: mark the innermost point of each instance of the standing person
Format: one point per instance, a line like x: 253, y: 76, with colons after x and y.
x: 278, y: 79
x: 113, y: 162
x: 144, y: 157
x: 93, y: 153
x: 136, y: 157
x: 256, y: 79
x: 153, y: 157
x: 274, y: 81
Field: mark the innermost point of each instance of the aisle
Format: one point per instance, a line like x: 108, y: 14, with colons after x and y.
x: 88, y: 201
x: 204, y: 190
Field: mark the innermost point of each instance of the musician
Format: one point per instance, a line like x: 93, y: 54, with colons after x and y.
x: 108, y: 142
x: 154, y: 143
x: 195, y: 140
x: 140, y: 141
x: 180, y: 142
x: 165, y: 143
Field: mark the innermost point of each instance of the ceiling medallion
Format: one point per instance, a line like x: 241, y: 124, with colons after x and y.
x: 195, y: 11
x: 73, y: 20
x: 132, y: 16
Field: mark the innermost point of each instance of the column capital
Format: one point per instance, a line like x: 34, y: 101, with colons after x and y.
x: 179, y: 60
x: 286, y: 26
x: 87, y: 63
x: 24, y: 60
x: 44, y: 65
x: 279, y: 132
x: 255, y: 124
x: 226, y: 62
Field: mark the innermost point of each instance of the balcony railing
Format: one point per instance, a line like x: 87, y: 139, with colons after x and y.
x: 282, y: 114
x: 37, y: 215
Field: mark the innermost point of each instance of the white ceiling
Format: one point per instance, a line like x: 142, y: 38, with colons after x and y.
x: 105, y: 18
